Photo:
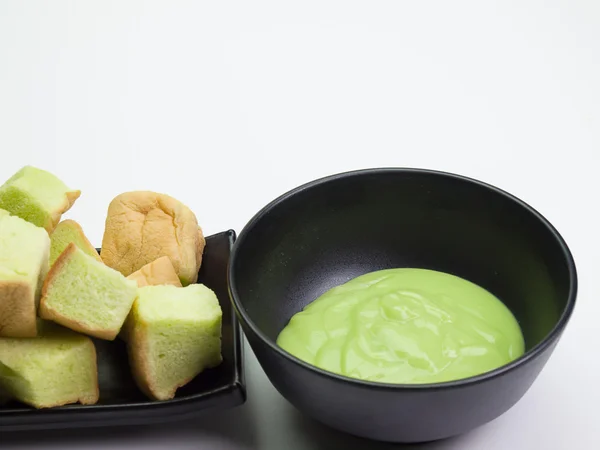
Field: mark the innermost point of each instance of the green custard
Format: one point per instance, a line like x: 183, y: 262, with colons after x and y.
x: 405, y: 326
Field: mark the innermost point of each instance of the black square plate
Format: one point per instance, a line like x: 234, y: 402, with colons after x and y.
x: 121, y: 402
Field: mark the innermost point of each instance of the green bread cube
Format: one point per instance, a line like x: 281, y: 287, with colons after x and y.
x: 175, y: 334
x: 37, y: 196
x: 87, y: 296
x: 57, y: 367
x: 66, y: 232
x: 24, y: 250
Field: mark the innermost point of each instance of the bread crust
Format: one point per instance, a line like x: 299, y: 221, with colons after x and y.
x: 199, y: 250
x: 17, y: 309
x: 139, y: 360
x: 47, y: 313
x: 159, y: 271
x: 92, y: 399
x: 137, y: 349
x: 142, y: 226
x: 70, y: 198
x: 19, y: 297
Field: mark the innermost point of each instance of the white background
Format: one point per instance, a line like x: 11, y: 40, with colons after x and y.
x: 225, y: 105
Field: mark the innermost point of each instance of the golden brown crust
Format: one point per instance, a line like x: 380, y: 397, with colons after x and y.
x: 142, y: 226
x: 46, y: 311
x: 139, y: 361
x: 171, y: 393
x: 137, y: 349
x: 92, y: 400
x: 58, y: 265
x: 19, y: 299
x: 70, y: 197
x: 17, y: 309
x: 200, y: 249
x: 159, y: 271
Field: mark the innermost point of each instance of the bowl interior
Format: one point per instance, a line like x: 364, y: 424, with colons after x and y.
x: 330, y: 231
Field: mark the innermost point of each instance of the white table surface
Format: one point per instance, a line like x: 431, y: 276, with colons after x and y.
x: 226, y: 105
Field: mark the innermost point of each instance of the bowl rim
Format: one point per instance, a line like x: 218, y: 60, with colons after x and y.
x: 529, y: 355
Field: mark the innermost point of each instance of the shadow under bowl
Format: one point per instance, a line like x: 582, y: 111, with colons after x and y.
x: 329, y: 231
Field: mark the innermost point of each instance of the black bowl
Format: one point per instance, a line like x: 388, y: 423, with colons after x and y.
x: 331, y: 230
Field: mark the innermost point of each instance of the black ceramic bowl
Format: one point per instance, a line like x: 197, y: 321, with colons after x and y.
x: 331, y: 230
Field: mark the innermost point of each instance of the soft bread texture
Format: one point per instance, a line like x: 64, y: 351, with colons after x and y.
x: 142, y: 226
x: 85, y: 295
x: 24, y: 250
x: 176, y: 334
x: 157, y: 272
x: 37, y: 196
x: 56, y: 368
x: 66, y: 232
